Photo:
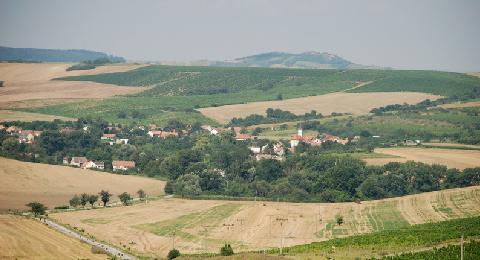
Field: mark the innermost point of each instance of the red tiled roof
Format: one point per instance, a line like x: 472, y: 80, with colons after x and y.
x: 243, y: 137
x: 126, y: 164
x: 297, y: 137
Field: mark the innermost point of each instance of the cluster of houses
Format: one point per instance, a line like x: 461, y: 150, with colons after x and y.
x: 23, y: 136
x: 277, y: 153
x: 318, y: 141
x: 112, y: 139
x: 162, y: 134
x: 238, y: 136
x: 84, y: 163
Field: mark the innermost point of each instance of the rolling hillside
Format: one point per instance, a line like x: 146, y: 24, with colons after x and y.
x: 269, y: 82
x: 204, y: 225
x: 52, y: 55
x: 176, y: 91
x: 306, y: 60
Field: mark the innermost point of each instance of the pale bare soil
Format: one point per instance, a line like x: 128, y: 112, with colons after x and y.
x: 26, y: 82
x: 10, y: 115
x: 26, y: 72
x: 461, y: 105
x: 452, y: 158
x: 471, y: 146
x: 476, y: 74
x: 259, y: 225
x: 354, y: 103
x: 22, y: 238
x: 53, y: 185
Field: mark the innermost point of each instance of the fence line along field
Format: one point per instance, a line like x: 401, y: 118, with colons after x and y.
x: 53, y: 185
x: 452, y: 158
x: 22, y: 238
x: 33, y: 82
x: 203, y: 226
x: 354, y: 103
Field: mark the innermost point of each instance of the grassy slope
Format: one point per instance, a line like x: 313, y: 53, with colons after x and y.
x: 178, y: 90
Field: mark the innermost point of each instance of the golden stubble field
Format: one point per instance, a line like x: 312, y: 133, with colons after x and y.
x: 452, y: 158
x: 204, y: 225
x: 31, y: 84
x: 22, y: 238
x: 54, y: 185
x: 339, y: 102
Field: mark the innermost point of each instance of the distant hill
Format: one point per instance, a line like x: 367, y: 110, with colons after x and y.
x: 305, y: 60
x: 52, y: 55
x: 310, y: 60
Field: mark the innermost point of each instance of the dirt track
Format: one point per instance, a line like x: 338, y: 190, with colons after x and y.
x: 22, y: 238
x: 355, y: 103
x: 203, y: 226
x: 451, y: 158
x: 53, y: 185
x: 26, y: 82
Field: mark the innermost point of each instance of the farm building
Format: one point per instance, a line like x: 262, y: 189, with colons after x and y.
x: 122, y: 165
x: 78, y: 161
x: 162, y: 134
x: 94, y: 165
x: 243, y: 137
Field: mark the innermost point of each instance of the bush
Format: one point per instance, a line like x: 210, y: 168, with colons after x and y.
x: 62, y: 207
x: 174, y: 253
x: 226, y: 250
x: 81, y: 67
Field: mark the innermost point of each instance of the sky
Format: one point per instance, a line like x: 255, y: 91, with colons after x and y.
x: 403, y: 34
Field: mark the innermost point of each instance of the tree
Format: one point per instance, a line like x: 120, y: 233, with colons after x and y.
x: 339, y: 219
x: 187, y: 184
x: 174, y: 253
x: 105, y: 197
x: 84, y: 199
x: 168, y: 187
x: 269, y: 170
x: 92, y: 199
x: 125, y: 198
x: 75, y: 201
x: 37, y: 208
x: 141, y: 194
x: 226, y: 250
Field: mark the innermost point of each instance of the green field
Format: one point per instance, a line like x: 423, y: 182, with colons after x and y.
x: 177, y: 90
x: 187, y: 80
x: 400, y: 239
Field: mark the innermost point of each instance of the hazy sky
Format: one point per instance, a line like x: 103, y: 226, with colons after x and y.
x: 406, y: 34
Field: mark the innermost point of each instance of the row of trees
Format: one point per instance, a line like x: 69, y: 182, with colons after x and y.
x: 104, y: 196
x: 273, y: 116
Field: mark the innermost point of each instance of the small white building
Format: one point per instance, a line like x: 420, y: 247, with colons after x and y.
x: 94, y: 165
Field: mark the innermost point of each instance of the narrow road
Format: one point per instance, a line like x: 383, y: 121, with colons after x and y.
x: 110, y: 250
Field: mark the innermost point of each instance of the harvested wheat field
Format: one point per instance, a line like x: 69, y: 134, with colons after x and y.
x: 22, y: 238
x: 28, y: 84
x: 10, y: 115
x: 452, y: 158
x: 203, y: 226
x: 54, y: 185
x: 339, y: 102
x: 461, y: 105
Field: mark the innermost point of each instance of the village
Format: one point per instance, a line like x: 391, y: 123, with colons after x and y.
x: 113, y: 136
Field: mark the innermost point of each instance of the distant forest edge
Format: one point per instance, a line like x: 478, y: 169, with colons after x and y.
x: 270, y: 83
x: 53, y: 55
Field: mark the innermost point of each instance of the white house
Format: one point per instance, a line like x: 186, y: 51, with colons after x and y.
x: 94, y: 165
